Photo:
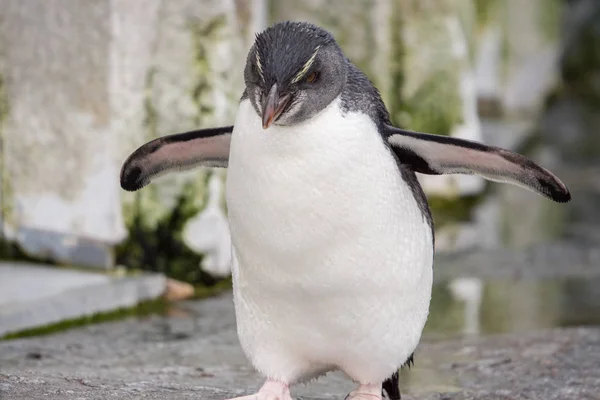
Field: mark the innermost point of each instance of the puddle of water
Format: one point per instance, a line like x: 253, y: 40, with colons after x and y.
x: 427, y: 378
x: 471, y: 306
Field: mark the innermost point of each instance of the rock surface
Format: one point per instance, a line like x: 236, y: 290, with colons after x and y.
x: 107, y: 77
x: 193, y: 353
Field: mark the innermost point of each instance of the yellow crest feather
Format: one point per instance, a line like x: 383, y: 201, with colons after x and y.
x: 306, y: 66
x: 259, y: 66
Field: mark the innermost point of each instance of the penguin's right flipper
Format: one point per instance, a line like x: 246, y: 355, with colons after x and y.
x: 437, y: 154
x: 201, y: 148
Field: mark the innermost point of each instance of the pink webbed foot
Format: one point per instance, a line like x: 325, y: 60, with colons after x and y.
x: 366, y: 392
x: 271, y: 390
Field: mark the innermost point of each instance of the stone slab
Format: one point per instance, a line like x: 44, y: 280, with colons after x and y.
x: 34, y: 295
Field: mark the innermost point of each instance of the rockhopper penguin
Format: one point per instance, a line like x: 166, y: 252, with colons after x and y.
x: 332, y: 238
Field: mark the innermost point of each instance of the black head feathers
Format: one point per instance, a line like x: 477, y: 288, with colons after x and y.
x: 281, y: 51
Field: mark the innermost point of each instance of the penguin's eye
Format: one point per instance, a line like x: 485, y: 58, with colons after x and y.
x: 312, y: 77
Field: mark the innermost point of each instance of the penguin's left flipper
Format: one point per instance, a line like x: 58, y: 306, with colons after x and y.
x: 436, y: 155
x: 201, y: 148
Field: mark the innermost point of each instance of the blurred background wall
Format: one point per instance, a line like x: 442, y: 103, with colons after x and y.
x: 84, y: 83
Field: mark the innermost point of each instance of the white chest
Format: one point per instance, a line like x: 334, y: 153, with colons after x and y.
x: 321, y: 194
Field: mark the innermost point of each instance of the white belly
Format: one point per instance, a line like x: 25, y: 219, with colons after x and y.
x: 333, y: 258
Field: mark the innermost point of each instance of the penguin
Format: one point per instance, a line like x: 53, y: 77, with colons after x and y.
x: 332, y: 237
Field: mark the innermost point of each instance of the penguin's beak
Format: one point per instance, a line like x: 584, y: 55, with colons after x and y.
x: 273, y: 106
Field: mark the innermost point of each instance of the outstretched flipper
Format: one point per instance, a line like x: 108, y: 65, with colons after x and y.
x: 202, y: 148
x: 436, y: 155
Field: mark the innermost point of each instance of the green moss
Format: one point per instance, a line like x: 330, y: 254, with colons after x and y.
x: 155, y: 241
x: 423, y: 97
x: 454, y: 209
x: 159, y: 247
x: 485, y: 11
x: 550, y: 20
x: 158, y: 306
x: 203, y: 34
x: 436, y: 106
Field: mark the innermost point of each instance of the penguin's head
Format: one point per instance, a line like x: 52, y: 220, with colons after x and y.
x: 293, y: 71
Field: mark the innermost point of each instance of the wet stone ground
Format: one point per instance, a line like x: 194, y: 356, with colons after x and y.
x: 193, y: 353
